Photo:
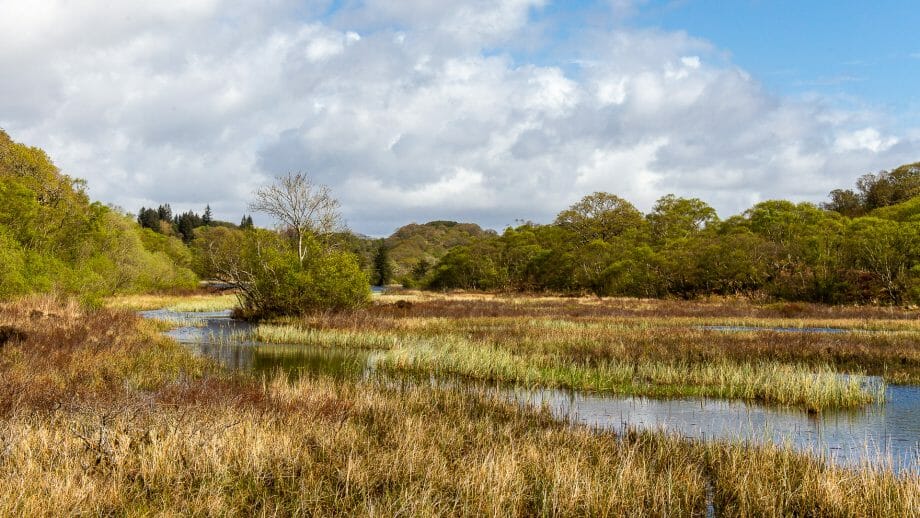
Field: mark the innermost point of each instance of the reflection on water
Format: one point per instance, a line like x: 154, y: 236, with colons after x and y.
x: 874, y: 434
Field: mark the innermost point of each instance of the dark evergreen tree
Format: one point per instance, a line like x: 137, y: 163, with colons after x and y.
x: 148, y: 218
x: 383, y: 270
x: 246, y: 222
x: 186, y: 223
x: 165, y: 212
x: 207, y: 219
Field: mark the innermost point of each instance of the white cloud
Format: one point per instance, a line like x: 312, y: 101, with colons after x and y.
x: 866, y: 139
x: 409, y: 110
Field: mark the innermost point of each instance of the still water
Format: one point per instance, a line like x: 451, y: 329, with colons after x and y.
x: 877, y: 434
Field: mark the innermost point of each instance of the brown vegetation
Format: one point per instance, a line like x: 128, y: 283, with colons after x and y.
x: 101, y: 416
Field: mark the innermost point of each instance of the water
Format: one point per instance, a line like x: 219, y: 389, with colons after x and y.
x: 831, y: 330
x: 877, y: 435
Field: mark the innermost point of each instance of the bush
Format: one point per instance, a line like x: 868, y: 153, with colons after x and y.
x: 272, y: 280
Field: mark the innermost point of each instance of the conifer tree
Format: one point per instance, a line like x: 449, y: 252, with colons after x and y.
x: 383, y: 270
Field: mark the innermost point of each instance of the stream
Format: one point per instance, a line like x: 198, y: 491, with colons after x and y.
x: 877, y: 435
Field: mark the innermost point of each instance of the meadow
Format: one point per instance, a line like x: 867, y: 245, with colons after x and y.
x: 99, y: 414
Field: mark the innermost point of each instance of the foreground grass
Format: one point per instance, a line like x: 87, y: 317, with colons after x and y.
x: 86, y: 428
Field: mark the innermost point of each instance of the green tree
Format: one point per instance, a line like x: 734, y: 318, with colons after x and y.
x: 600, y: 216
x: 889, y: 251
x: 383, y: 269
x: 677, y: 218
x: 270, y: 278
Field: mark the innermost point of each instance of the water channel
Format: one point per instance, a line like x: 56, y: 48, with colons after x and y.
x: 878, y: 435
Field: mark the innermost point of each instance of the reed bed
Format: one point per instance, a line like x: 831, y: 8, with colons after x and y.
x: 100, y: 416
x: 882, y: 342
x: 289, y: 334
x: 197, y: 302
x: 438, y: 351
x: 770, y: 383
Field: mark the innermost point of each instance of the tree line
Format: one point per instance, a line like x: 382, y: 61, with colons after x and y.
x: 53, y: 238
x: 183, y: 225
x: 776, y: 249
x: 862, y: 246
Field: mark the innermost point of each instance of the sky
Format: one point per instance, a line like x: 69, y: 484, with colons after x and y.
x: 490, y: 111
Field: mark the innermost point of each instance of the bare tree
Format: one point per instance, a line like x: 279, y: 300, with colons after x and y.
x: 299, y: 206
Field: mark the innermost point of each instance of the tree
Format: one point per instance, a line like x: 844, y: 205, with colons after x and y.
x: 676, y: 218
x: 246, y: 222
x: 383, y: 270
x: 149, y: 218
x: 207, y: 218
x: 300, y: 207
x: 600, y: 216
x: 889, y: 251
x: 164, y: 212
x: 269, y: 277
x: 186, y: 223
x: 846, y: 202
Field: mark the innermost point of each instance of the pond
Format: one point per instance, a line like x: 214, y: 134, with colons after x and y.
x: 877, y: 434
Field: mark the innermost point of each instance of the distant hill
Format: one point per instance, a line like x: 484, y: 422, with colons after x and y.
x: 414, y: 243
x: 876, y: 191
x: 905, y: 211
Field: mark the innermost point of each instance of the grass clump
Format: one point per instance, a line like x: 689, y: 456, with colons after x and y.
x: 198, y: 302
x: 771, y: 383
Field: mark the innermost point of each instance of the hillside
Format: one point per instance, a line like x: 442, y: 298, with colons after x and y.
x: 424, y: 243
x: 53, y: 238
x: 905, y: 211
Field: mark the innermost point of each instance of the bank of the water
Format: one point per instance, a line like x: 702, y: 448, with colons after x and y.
x: 878, y: 435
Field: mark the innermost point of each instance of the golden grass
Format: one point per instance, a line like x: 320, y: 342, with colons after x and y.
x: 169, y: 436
x: 183, y: 303
x: 881, y: 342
x: 650, y: 356
x: 767, y: 382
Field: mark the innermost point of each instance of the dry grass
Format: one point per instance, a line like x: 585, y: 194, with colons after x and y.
x: 169, y: 436
x: 592, y: 331
x: 196, y: 302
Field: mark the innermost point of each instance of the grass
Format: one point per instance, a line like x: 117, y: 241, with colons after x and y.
x: 101, y: 416
x: 772, y: 383
x: 452, y: 354
x: 197, y: 302
x: 591, y: 332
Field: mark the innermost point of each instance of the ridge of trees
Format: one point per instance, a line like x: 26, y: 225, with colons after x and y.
x: 779, y: 249
x: 862, y: 246
x: 162, y: 220
x: 877, y: 190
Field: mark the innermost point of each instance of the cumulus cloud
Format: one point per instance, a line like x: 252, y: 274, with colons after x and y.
x: 409, y: 110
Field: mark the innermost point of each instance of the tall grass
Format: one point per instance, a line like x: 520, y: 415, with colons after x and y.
x: 101, y: 417
x: 765, y: 382
x: 199, y: 302
x: 880, y: 341
x: 289, y: 334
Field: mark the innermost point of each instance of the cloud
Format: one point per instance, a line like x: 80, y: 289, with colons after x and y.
x: 867, y: 139
x: 410, y: 110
